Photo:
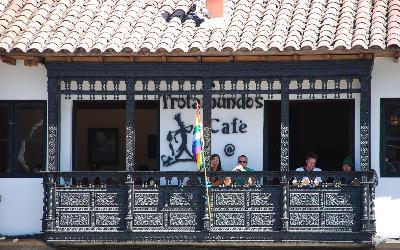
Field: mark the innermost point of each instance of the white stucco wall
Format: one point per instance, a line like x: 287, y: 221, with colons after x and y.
x: 247, y: 141
x: 385, y: 84
x: 66, y: 135
x: 21, y: 206
x: 21, y: 198
x: 20, y: 82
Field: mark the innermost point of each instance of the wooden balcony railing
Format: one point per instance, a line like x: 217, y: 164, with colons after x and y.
x: 172, y: 207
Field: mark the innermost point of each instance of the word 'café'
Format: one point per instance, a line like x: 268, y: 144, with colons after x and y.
x: 298, y: 123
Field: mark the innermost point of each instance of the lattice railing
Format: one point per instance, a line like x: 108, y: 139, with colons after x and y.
x: 173, y: 203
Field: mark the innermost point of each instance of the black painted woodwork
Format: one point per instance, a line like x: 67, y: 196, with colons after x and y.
x: 79, y: 209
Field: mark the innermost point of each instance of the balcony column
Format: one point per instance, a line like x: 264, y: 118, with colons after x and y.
x: 207, y: 99
x: 53, y: 107
x: 285, y: 151
x: 130, y: 125
x: 365, y: 121
x: 130, y: 149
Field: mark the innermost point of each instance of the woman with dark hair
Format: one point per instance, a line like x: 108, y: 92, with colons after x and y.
x: 215, y: 167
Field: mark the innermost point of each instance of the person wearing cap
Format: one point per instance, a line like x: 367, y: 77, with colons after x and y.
x: 347, y: 165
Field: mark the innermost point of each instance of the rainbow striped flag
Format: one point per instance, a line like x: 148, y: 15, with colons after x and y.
x: 198, y: 154
x: 198, y: 140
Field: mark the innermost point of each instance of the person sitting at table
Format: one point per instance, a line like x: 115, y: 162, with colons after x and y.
x: 241, y: 167
x: 309, y: 166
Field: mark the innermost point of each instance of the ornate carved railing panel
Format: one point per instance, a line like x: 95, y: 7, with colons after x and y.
x: 86, y: 206
x: 90, y: 209
x: 327, y: 209
x: 331, y: 202
x: 167, y: 209
x: 246, y: 209
x: 89, y: 202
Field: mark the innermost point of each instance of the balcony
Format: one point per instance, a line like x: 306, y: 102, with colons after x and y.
x: 156, y: 207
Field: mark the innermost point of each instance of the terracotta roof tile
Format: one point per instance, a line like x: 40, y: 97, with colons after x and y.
x: 313, y: 25
x: 138, y: 26
x: 393, y: 23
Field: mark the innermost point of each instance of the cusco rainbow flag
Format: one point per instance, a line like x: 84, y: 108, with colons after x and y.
x: 198, y: 140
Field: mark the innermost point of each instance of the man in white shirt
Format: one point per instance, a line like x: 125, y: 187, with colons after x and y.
x: 311, y: 160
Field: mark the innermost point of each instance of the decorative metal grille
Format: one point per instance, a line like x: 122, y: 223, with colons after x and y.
x: 171, y: 212
x: 173, y: 206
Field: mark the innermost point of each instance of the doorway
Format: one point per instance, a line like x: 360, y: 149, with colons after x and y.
x: 325, y: 127
x: 99, y: 135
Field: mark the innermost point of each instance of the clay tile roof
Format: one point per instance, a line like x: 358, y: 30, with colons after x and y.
x: 136, y: 26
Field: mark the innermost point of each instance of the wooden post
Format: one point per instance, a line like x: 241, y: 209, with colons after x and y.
x: 53, y: 99
x: 365, y: 121
x: 285, y: 151
x: 207, y: 98
x: 130, y: 149
x: 130, y: 125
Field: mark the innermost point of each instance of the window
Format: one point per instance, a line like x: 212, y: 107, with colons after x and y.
x: 390, y: 137
x: 22, y: 137
x: 314, y: 127
x: 99, y: 144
